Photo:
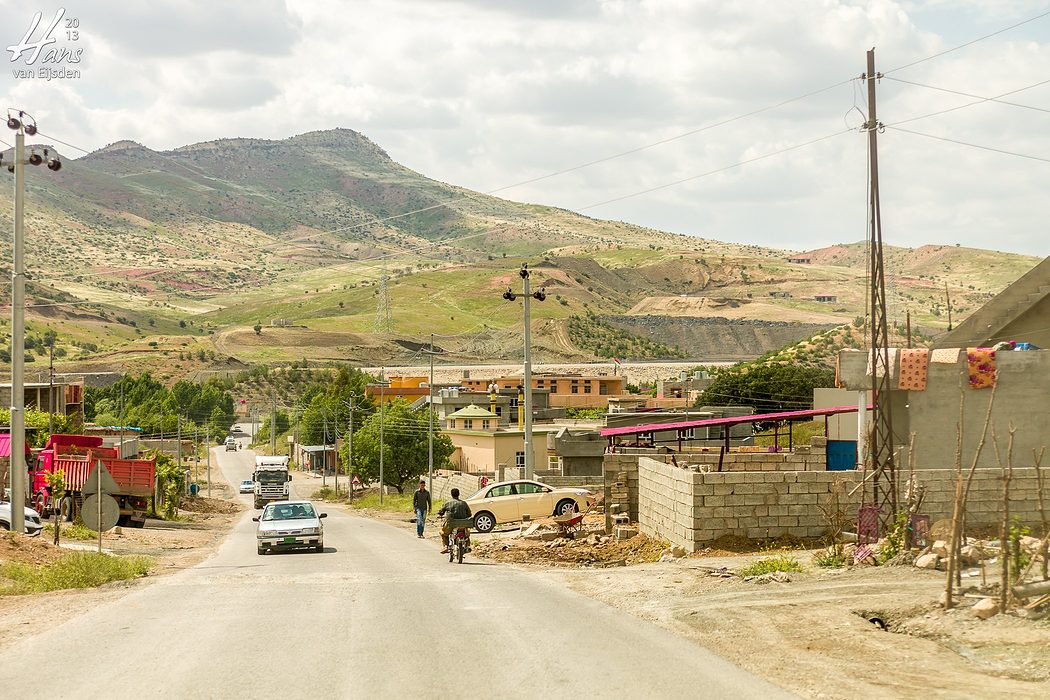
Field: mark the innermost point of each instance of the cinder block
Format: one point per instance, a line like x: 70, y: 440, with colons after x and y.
x: 734, y: 478
x: 714, y: 501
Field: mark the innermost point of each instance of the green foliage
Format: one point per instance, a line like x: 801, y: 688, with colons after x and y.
x: 829, y: 559
x: 586, y: 413
x: 896, y: 538
x: 766, y: 386
x: 38, y: 421
x: 76, y: 530
x: 1019, y: 558
x: 605, y: 340
x: 74, y: 570
x: 777, y: 562
x: 150, y: 405
x: 281, y: 420
x: 399, y: 503
x: 405, y: 456
x: 173, y: 478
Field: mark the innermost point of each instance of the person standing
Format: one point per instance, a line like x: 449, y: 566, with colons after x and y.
x: 422, y: 503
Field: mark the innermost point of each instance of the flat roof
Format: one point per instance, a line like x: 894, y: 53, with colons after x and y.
x: 732, y: 420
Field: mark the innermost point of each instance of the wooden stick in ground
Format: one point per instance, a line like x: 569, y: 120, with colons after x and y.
x: 1037, y: 460
x: 962, y: 490
x: 1004, y: 532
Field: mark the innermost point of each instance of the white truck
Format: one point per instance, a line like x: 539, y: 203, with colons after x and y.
x: 271, y: 479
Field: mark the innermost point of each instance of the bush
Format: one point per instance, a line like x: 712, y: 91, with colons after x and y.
x: 74, y: 570
x: 828, y: 559
x: 778, y: 562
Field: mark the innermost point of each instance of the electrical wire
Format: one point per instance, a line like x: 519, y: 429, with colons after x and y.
x: 970, y: 104
x: 979, y: 97
x: 971, y: 145
x: 968, y: 43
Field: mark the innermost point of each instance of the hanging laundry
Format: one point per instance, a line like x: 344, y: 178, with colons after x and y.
x: 914, y: 369
x: 981, y: 365
x: 945, y: 356
x: 892, y: 353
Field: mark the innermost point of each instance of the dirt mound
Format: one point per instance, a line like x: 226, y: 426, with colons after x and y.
x: 591, y: 551
x: 27, y: 550
x: 203, y: 504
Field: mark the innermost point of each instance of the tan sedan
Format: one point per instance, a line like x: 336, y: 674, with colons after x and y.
x: 509, y: 501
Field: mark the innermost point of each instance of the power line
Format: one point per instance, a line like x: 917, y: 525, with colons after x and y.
x: 971, y: 145
x: 968, y: 43
x: 979, y: 97
x: 717, y: 170
x: 982, y: 100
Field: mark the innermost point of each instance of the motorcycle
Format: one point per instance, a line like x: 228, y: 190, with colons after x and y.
x: 458, y: 540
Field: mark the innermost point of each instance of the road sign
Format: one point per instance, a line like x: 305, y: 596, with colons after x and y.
x: 90, y: 511
x: 93, y: 483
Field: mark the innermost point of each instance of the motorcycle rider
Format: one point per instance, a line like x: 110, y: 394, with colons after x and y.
x: 453, y: 509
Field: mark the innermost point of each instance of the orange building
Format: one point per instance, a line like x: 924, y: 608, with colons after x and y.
x: 407, y: 388
x: 566, y: 390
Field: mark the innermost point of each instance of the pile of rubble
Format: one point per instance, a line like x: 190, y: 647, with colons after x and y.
x: 543, y: 543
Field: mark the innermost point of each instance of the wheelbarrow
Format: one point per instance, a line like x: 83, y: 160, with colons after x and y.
x: 570, y: 523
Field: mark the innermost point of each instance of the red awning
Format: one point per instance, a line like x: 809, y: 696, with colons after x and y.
x: 733, y: 420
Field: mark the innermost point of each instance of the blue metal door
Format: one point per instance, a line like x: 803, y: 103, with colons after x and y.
x: 842, y: 455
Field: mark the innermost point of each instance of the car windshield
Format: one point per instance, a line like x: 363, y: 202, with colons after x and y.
x: 274, y: 477
x: 289, y: 511
x: 247, y: 482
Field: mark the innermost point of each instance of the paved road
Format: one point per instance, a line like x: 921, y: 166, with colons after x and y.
x: 373, y: 616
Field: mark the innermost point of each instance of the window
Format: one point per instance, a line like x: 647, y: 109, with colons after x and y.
x: 531, y: 488
x: 587, y: 388
x: 646, y: 437
x: 575, y: 389
x: 499, y: 411
x: 497, y: 491
x: 485, y: 424
x: 603, y: 388
x: 519, y: 460
x: 687, y: 434
x: 554, y: 387
x: 468, y: 423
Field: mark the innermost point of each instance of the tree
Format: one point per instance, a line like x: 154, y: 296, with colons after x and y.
x: 767, y: 387
x: 405, y: 456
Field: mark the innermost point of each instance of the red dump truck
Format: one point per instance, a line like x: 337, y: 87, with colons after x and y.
x: 75, y: 456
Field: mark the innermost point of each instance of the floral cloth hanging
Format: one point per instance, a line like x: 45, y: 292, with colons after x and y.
x: 981, y: 365
x: 914, y: 369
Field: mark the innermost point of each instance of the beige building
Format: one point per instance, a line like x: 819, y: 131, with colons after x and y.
x: 566, y: 390
x: 481, y: 445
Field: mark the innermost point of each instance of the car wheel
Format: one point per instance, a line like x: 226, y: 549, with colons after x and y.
x: 4, y: 526
x: 484, y: 522
x: 319, y: 548
x: 565, y: 507
x: 262, y: 550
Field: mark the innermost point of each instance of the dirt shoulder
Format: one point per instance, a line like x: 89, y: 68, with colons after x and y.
x: 812, y: 636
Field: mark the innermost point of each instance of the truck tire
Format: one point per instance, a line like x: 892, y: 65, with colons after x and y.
x: 65, y: 509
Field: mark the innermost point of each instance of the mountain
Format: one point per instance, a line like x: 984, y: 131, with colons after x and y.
x: 172, y: 258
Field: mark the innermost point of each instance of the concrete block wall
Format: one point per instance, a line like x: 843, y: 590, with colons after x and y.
x: 467, y: 484
x: 691, y: 508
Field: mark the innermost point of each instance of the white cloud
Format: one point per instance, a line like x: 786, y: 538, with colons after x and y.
x: 483, y: 94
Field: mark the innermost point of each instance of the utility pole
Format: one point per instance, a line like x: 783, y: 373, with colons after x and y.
x: 884, y: 473
x: 527, y: 380
x: 430, y: 432
x: 178, y: 440
x: 18, y: 332
x: 350, y: 449
x: 51, y: 387
x: 273, y: 425
x: 122, y: 416
x: 382, y: 438
x: 335, y: 427
x: 948, y: 301
x: 207, y: 435
x: 907, y: 318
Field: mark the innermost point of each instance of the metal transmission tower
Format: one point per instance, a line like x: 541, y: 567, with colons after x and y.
x: 884, y: 472
x: 382, y: 322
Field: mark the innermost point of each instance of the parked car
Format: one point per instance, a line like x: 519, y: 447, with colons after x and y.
x: 247, y: 486
x: 290, y: 525
x: 33, y: 525
x: 231, y: 444
x: 509, y: 501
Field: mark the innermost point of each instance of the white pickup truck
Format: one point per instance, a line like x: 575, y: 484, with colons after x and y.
x: 271, y: 479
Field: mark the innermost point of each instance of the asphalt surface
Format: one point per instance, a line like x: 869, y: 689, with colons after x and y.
x: 378, y: 614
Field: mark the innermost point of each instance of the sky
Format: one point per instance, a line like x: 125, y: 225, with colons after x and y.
x: 671, y: 96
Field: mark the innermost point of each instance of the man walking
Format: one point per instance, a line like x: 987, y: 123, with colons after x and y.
x: 422, y: 503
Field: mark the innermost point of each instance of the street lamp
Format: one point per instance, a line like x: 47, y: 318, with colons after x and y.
x: 22, y: 124
x: 538, y: 295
